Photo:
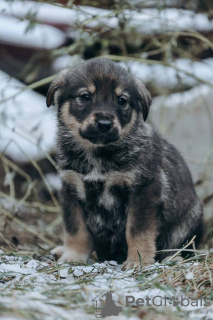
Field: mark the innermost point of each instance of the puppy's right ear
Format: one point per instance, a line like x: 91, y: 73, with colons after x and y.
x: 58, y: 83
x: 145, y: 98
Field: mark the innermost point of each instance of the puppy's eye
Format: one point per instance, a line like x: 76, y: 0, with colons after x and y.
x: 86, y: 97
x: 122, y: 101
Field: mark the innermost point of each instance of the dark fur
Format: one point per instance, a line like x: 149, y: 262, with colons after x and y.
x: 162, y: 192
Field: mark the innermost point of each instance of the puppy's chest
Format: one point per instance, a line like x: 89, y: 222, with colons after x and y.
x: 97, y: 189
x: 100, y: 189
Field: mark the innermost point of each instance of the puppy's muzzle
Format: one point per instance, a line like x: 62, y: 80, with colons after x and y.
x: 104, y: 122
x: 100, y: 128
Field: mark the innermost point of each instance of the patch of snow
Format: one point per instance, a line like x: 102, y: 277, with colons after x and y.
x: 32, y: 264
x: 27, y: 126
x: 66, y: 61
x: 13, y: 31
x: 89, y: 269
x: 169, y: 19
x: 174, y: 100
x: 14, y: 268
x: 36, y: 295
x: 12, y: 258
x: 168, y: 77
x: 113, y: 263
x: 99, y: 265
x: 64, y: 273
x: 78, y: 272
x: 189, y: 275
x: 54, y: 181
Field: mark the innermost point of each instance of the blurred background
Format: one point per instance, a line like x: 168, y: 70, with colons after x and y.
x: 167, y: 43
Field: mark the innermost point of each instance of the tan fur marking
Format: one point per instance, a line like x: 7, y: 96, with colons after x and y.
x: 88, y: 121
x: 56, y: 96
x: 118, y: 91
x: 116, y: 123
x: 142, y: 243
x: 73, y: 178
x: 116, y: 178
x: 91, y: 88
x: 70, y: 121
x: 73, y: 125
x: 121, y: 178
x: 78, y: 247
x: 107, y: 199
x: 80, y: 242
x: 128, y: 127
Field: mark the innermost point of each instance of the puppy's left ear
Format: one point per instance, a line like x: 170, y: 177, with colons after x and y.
x: 58, y: 83
x: 145, y: 97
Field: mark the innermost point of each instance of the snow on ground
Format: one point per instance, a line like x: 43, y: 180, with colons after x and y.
x: 146, y: 21
x: 49, y: 289
x: 27, y: 126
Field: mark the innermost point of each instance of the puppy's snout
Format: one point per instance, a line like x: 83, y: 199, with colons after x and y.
x: 104, y: 122
x: 104, y: 125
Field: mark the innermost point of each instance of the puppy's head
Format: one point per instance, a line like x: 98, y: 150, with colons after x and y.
x: 99, y: 101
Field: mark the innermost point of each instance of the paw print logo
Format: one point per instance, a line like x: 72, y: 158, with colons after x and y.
x: 174, y: 301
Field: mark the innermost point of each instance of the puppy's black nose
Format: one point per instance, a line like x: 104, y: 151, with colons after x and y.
x: 104, y: 125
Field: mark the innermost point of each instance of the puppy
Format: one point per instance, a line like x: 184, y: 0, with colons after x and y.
x: 126, y: 191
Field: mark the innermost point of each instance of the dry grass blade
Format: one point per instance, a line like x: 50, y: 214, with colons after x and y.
x: 182, y: 249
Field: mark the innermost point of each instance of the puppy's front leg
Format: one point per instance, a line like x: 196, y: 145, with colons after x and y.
x: 78, y: 241
x: 140, y: 236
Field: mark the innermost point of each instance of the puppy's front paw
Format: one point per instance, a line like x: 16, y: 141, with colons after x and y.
x: 135, y: 263
x: 57, y: 252
x: 130, y: 265
x: 65, y: 254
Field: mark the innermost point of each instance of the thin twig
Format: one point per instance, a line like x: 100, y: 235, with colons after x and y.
x: 182, y: 249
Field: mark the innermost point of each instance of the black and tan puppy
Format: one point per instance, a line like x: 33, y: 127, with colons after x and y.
x: 126, y: 191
